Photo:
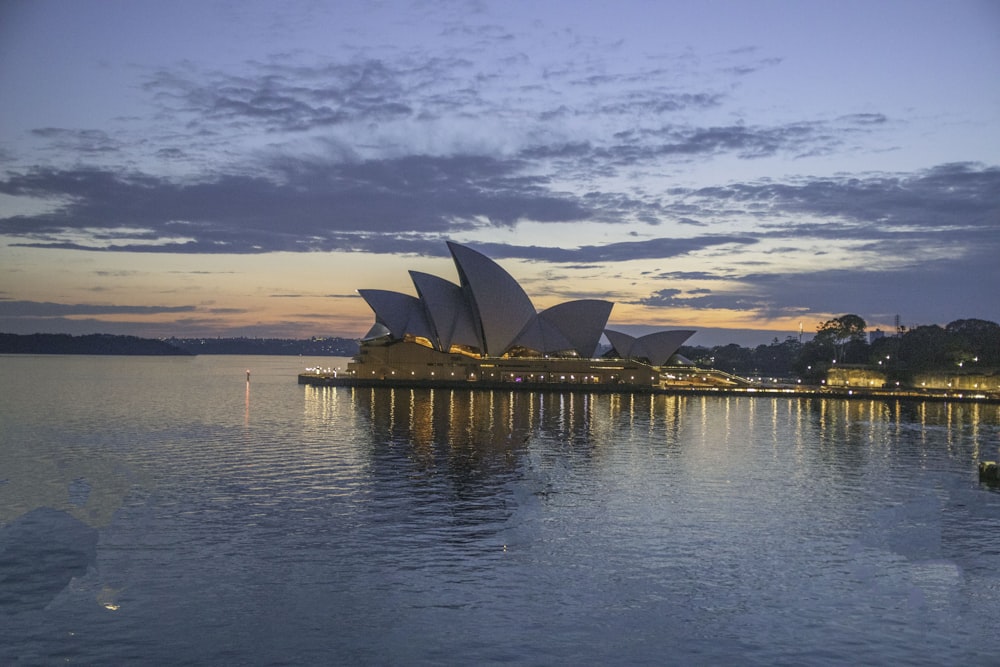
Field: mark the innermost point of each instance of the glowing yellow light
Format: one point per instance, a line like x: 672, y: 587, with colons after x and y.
x: 107, y: 598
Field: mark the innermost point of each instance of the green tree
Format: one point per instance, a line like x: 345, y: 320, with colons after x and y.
x: 843, y: 333
x: 733, y: 359
x: 927, y: 347
x: 777, y: 358
x: 976, y: 341
x: 814, y: 359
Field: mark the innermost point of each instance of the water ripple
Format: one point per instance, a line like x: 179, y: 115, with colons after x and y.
x: 271, y: 523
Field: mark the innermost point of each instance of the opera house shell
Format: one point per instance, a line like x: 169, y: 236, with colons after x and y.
x: 484, y: 327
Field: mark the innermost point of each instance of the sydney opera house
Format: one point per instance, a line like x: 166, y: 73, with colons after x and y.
x: 485, y: 330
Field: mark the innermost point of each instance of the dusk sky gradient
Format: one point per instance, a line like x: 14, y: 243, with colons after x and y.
x: 242, y: 168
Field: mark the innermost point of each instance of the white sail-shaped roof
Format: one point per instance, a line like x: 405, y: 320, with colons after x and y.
x: 448, y: 311
x: 657, y: 347
x: 501, y: 308
x: 621, y: 342
x: 400, y: 313
x: 542, y: 336
x: 660, y: 346
x: 490, y: 312
x: 580, y: 322
x: 378, y: 330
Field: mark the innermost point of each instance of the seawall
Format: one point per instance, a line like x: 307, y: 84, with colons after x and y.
x: 329, y: 380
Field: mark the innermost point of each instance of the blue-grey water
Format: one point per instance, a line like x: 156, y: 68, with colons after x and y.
x: 165, y: 511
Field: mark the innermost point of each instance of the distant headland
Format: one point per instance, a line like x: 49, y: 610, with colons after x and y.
x: 88, y: 344
x: 110, y: 344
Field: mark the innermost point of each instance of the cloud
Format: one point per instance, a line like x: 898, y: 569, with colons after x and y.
x: 86, y: 143
x: 201, y: 273
x: 659, y: 248
x: 689, y: 221
x: 303, y: 207
x: 466, y: 127
x: 958, y: 196
x: 584, y: 112
x: 408, y: 205
x: 115, y: 274
x: 929, y: 242
x: 865, y: 118
x: 281, y: 97
x: 49, y: 309
x: 692, y: 275
x: 707, y: 300
x: 746, y: 142
x: 920, y: 286
x: 171, y: 154
x: 333, y: 191
x: 878, y: 292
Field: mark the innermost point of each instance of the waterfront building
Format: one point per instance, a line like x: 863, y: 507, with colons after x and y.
x: 485, y: 329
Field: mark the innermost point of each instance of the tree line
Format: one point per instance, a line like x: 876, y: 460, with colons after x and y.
x: 967, y: 345
x: 87, y: 344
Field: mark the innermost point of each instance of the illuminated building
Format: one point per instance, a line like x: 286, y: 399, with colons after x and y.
x: 484, y: 329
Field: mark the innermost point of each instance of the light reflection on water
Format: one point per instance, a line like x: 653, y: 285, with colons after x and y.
x: 169, y: 511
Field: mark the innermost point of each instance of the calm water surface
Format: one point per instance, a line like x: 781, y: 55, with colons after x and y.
x: 157, y: 510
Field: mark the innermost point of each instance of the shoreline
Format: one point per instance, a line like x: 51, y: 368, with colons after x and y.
x: 327, y: 380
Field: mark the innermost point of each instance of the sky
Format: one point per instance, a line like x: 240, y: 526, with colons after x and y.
x: 748, y: 169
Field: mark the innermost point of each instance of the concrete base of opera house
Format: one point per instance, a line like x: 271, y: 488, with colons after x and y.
x: 410, y: 365
x: 405, y: 361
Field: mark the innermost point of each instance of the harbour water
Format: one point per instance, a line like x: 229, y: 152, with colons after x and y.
x: 167, y: 511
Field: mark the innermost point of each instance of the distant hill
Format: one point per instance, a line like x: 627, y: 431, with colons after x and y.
x: 310, y: 347
x: 89, y: 344
x: 111, y: 344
